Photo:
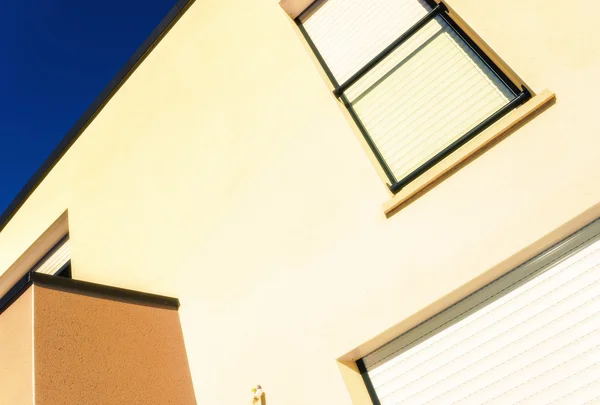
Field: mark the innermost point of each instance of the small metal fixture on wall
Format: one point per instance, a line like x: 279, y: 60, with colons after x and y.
x: 258, y: 397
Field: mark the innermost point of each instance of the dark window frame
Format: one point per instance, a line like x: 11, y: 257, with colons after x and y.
x: 16, y: 290
x: 521, y: 95
x: 65, y: 270
x: 530, y: 269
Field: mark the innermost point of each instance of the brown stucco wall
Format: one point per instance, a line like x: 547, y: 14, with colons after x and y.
x: 91, y: 350
x: 16, y: 376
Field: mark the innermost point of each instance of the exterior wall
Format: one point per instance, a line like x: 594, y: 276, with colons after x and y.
x: 16, y: 351
x: 97, y: 351
x: 225, y: 174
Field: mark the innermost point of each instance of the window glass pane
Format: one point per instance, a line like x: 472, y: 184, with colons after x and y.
x: 349, y: 33
x: 425, y: 95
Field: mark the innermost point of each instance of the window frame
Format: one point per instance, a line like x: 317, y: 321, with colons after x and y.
x: 15, y: 291
x: 515, y: 277
x: 521, y: 93
x: 65, y: 269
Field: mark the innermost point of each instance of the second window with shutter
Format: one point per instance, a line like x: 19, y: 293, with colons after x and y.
x: 417, y: 87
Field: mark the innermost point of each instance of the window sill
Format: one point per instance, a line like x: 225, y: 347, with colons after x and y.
x: 468, y: 152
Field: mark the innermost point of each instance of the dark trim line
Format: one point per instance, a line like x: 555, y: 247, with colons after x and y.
x: 362, y: 369
x: 438, y: 9
x: 344, y: 99
x: 85, y: 288
x: 308, y: 9
x: 365, y: 133
x: 318, y: 55
x: 94, y: 109
x: 65, y: 271
x: 514, y: 103
x: 530, y: 269
x: 15, y: 292
x: 104, y: 291
x: 482, y: 55
x: 50, y: 252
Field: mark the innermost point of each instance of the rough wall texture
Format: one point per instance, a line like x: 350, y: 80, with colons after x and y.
x: 97, y: 351
x: 16, y: 363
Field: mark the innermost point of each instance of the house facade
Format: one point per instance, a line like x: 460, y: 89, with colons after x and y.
x: 314, y: 249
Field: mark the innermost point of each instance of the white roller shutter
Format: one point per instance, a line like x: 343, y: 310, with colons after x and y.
x: 425, y: 95
x: 349, y: 33
x: 531, y: 337
x: 56, y: 259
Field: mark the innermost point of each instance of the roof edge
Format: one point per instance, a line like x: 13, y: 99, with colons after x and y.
x: 86, y: 288
x: 94, y: 109
x: 103, y: 291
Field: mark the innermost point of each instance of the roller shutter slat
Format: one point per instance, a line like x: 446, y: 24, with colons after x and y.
x: 422, y: 97
x: 56, y: 260
x: 531, y: 337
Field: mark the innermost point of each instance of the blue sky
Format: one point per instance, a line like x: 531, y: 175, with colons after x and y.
x: 56, y: 57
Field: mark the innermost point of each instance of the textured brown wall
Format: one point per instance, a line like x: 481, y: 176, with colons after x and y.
x: 16, y: 372
x: 98, y: 351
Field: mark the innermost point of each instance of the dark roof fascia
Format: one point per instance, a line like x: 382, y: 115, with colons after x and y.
x: 85, y: 288
x: 103, y: 291
x: 94, y: 109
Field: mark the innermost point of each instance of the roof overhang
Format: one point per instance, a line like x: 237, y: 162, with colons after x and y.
x: 94, y: 109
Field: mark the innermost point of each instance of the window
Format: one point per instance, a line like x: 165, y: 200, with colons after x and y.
x: 530, y: 337
x: 417, y: 87
x: 57, y: 261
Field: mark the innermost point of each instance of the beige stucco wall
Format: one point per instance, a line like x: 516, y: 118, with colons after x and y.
x: 16, y: 351
x: 224, y: 173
